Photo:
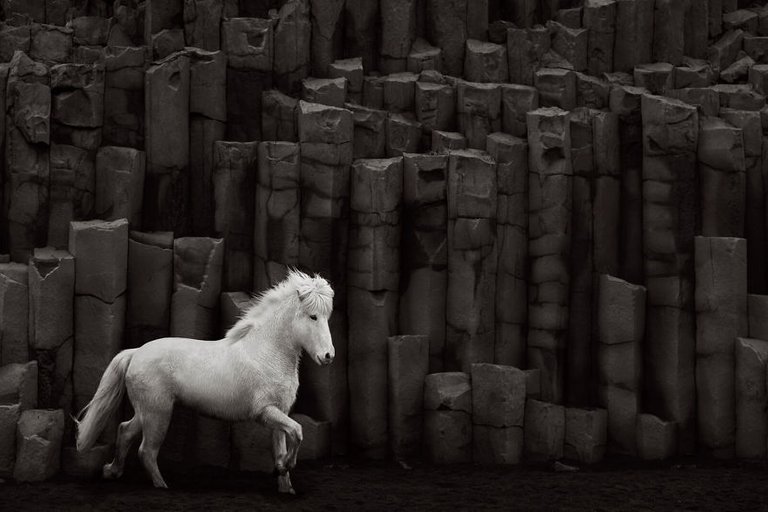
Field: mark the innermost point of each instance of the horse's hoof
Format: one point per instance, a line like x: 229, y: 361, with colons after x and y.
x: 108, y: 472
x: 289, y: 490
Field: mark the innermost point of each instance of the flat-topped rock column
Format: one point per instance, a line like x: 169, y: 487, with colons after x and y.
x: 398, y: 30
x: 424, y: 251
x: 327, y: 34
x: 634, y: 29
x: 14, y: 313
x: 544, y: 431
x: 448, y: 418
x: 124, y: 96
x: 278, y: 215
x: 511, y: 155
x: 471, y: 291
x: 72, y: 190
x: 670, y: 137
x: 292, y: 41
x: 119, y: 184
x: 498, y: 408
x: 721, y: 317
x: 599, y: 18
x: 751, y: 400
x: 607, y: 198
x: 478, y: 107
x: 550, y: 202
x: 326, y: 135
x: 150, y: 285
x: 408, y: 366
x: 373, y: 261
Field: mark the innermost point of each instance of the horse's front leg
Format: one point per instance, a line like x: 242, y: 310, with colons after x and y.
x: 280, y: 453
x: 286, y: 438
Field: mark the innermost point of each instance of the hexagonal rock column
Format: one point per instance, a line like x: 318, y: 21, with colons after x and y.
x: 161, y: 14
x: 479, y: 111
x: 722, y: 178
x: 424, y: 57
x: 471, y: 292
x: 166, y: 102
x: 276, y: 235
x: 670, y: 137
x: 447, y: 29
x: 248, y: 43
x: 327, y: 34
x: 498, y: 407
x: 721, y: 316
x: 656, y: 439
x: 424, y: 251
x: 279, y: 119
x: 408, y: 366
x: 326, y: 135
x: 51, y: 324
x: 14, y: 313
x: 550, y: 202
x: 404, y: 135
x: 234, y: 191
x: 9, y: 417
x: 435, y: 105
x: 606, y: 193
x: 758, y: 316
x: 207, y: 118
x: 620, y: 330
x: 669, y: 31
x: 38, y: 447
x: 445, y: 142
x: 516, y: 101
x: 448, y: 418
x: 119, y: 184
x: 326, y: 91
x: 755, y: 230
x: 511, y: 155
x: 557, y: 87
x: 150, y: 283
x: 292, y: 40
x: 361, y: 32
x: 525, y: 50
x: 585, y: 434
x: 398, y: 30
x: 370, y: 137
x: 317, y: 437
x: 485, y: 62
x: 544, y: 431
x: 77, y: 104
x: 571, y: 44
x: 600, y: 20
x: 625, y: 102
x: 28, y: 106
x: 202, y: 20
x: 100, y: 250
x: 124, y: 96
x: 580, y: 385
x: 18, y: 385
x: 751, y: 399
x: 352, y: 70
x: 72, y: 190
x: 373, y: 261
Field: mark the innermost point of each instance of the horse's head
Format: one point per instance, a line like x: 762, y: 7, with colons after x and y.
x: 311, y: 325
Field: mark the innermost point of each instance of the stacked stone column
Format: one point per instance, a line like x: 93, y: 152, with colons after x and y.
x: 326, y: 135
x: 408, y: 366
x: 424, y: 251
x: 373, y: 262
x: 14, y: 313
x: 670, y: 137
x: 550, y: 203
x: 471, y: 292
x: 511, y: 155
x: 292, y: 40
x: 278, y: 215
x: 498, y: 408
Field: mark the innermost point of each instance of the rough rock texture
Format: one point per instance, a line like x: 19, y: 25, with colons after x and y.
x: 750, y: 357
x: 9, y: 416
x: 498, y: 408
x: 544, y: 430
x: 292, y: 40
x: 372, y: 284
x: 72, y: 190
x: 516, y: 102
x: 634, y: 23
x: 150, y: 284
x: 327, y: 34
x: 14, y: 313
x: 721, y: 316
x: 485, y: 62
x: 119, y: 184
x: 276, y: 236
x: 471, y: 289
x: 448, y: 418
x: 549, y: 242
x: 670, y: 136
x: 18, y: 385
x: 124, y: 96
x: 424, y: 252
x: 408, y: 366
x: 38, y: 445
x: 585, y: 434
x: 599, y: 19
x: 656, y: 439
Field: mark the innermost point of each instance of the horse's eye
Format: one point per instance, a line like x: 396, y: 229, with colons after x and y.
x: 313, y: 317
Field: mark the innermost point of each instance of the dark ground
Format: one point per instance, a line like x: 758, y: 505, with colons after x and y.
x: 613, y: 486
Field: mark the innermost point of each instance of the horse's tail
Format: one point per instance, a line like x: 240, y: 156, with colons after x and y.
x: 108, y: 396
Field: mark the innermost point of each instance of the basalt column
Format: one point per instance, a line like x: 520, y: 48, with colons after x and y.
x: 550, y: 203
x: 278, y: 214
x: 119, y: 184
x: 124, y: 96
x: 326, y: 135
x: 424, y: 252
x: 14, y: 313
x: 166, y: 89
x: 327, y: 34
x: 28, y: 108
x: 511, y: 155
x: 471, y: 292
x: 150, y: 281
x: 72, y: 190
x: 721, y: 317
x: 670, y: 137
x: 361, y: 33
x: 234, y: 190
x: 373, y: 264
x: 207, y: 124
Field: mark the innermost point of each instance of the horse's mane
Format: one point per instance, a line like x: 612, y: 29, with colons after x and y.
x: 314, y: 294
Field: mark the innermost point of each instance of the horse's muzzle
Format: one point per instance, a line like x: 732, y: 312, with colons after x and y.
x: 325, y: 359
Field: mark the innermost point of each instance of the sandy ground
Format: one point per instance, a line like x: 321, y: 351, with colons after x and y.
x: 347, y: 485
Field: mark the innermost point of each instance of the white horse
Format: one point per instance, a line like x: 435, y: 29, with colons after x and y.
x: 252, y: 374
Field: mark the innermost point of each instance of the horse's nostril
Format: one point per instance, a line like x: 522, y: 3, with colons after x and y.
x: 327, y: 356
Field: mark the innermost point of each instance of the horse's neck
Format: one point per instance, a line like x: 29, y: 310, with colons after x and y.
x: 269, y: 344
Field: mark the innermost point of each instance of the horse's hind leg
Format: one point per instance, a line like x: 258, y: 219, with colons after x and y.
x: 282, y: 461
x: 154, y: 425
x: 126, y: 433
